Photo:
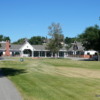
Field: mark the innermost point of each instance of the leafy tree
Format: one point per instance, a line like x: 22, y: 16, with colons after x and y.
x: 55, y: 43
x: 37, y: 40
x: 4, y: 38
x: 69, y: 40
x: 1, y: 37
x: 91, y: 38
x: 20, y: 41
x: 68, y: 46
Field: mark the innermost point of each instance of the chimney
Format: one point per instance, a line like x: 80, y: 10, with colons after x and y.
x: 7, y: 52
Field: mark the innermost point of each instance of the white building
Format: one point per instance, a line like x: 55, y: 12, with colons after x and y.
x: 28, y: 50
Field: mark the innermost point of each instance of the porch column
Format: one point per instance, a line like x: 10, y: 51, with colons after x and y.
x: 39, y: 53
x: 32, y: 54
x: 45, y: 54
x: 58, y: 54
x: 21, y: 53
x: 52, y: 54
x: 64, y: 54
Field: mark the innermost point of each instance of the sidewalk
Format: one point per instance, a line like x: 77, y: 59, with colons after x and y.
x: 78, y: 58
x: 8, y: 90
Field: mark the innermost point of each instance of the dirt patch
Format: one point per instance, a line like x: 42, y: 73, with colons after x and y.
x: 78, y: 72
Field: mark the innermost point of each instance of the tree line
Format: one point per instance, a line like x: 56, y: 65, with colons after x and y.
x: 90, y: 38
x: 4, y: 38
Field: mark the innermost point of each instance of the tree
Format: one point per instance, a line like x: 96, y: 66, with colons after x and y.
x: 91, y: 38
x: 1, y: 37
x: 36, y: 40
x: 69, y: 40
x: 4, y: 38
x: 20, y: 41
x: 56, y: 38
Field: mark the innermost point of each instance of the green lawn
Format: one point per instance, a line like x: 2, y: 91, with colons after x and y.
x: 54, y: 79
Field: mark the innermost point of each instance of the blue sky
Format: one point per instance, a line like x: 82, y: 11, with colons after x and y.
x: 27, y: 18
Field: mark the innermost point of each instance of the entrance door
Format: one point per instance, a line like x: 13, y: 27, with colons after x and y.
x: 28, y: 52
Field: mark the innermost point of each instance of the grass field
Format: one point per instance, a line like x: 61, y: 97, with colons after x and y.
x: 54, y: 79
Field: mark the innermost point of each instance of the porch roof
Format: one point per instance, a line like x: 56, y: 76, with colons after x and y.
x: 15, y: 46
x: 43, y: 48
x: 79, y: 45
x: 3, y: 45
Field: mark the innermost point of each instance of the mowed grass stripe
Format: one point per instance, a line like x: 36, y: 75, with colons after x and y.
x: 41, y: 80
x: 73, y: 63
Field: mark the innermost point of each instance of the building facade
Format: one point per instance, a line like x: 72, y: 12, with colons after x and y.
x: 28, y: 50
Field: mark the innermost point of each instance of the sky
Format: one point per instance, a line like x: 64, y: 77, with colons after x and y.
x: 27, y: 18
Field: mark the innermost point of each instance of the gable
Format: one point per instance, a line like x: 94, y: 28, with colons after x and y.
x: 26, y: 46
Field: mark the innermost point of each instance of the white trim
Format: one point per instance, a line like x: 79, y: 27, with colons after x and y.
x: 27, y: 45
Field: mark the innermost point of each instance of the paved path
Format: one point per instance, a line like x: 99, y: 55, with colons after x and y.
x: 8, y: 90
x: 78, y: 58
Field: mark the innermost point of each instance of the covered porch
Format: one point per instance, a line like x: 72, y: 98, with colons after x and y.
x: 45, y: 53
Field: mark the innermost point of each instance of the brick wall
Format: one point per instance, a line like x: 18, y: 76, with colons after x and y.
x: 7, y: 52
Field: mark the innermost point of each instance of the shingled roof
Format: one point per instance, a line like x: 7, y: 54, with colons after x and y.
x: 79, y: 45
x: 39, y: 47
x: 3, y: 45
x: 17, y: 47
x: 43, y: 47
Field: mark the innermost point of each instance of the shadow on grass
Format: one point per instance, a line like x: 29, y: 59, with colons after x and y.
x: 11, y: 72
x: 88, y: 59
x: 85, y: 60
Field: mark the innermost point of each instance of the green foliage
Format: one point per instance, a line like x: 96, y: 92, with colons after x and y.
x: 1, y: 37
x: 55, y: 43
x: 69, y: 40
x: 20, y: 41
x: 4, y: 38
x: 37, y: 40
x: 68, y: 46
x: 91, y: 38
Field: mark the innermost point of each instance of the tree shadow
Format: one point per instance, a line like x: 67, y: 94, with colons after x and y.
x: 88, y: 60
x: 84, y: 60
x: 11, y: 72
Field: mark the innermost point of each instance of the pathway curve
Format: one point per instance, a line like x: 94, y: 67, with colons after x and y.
x: 8, y: 90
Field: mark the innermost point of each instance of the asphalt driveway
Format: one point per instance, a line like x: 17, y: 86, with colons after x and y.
x: 8, y: 90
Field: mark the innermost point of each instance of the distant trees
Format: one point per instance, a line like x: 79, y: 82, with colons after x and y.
x: 91, y: 38
x: 4, y: 38
x: 56, y: 38
x: 37, y: 40
x: 20, y: 41
x: 69, y: 40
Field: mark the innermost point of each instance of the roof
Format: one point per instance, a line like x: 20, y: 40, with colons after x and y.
x: 3, y: 45
x: 79, y: 45
x: 15, y: 46
x: 43, y: 47
x: 39, y: 47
